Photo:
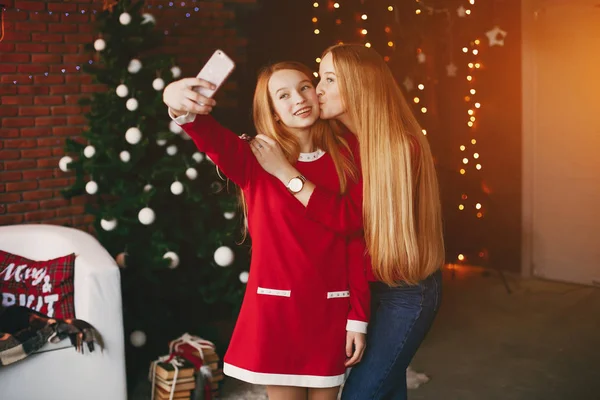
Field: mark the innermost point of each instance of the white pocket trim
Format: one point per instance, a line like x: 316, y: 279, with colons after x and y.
x: 274, y: 292
x: 335, y: 295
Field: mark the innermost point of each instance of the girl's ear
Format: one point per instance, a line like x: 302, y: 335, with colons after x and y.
x: 276, y: 117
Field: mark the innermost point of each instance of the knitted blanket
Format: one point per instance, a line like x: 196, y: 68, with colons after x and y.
x: 24, y: 331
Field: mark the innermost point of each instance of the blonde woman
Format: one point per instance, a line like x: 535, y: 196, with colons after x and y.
x: 397, y: 202
x: 304, y: 315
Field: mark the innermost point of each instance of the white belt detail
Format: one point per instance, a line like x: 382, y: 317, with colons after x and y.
x: 274, y: 292
x: 335, y: 295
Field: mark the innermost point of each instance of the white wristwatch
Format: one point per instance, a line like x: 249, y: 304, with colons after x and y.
x: 296, y: 184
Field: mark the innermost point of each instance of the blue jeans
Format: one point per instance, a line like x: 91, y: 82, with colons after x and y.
x: 400, y: 319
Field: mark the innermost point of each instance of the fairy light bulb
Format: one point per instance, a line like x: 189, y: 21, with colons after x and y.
x: 315, y: 4
x: 416, y: 100
x: 470, y: 65
x: 387, y: 29
x: 461, y: 257
x: 471, y: 112
x: 390, y: 8
x: 462, y: 148
x: 462, y: 171
x: 316, y: 74
x: 424, y: 110
x: 470, y: 123
x: 364, y: 31
x: 336, y: 5
x: 479, y: 215
x: 317, y: 31
x: 473, y: 141
x: 465, y: 160
x: 476, y: 155
x: 368, y: 44
x: 478, y: 166
x: 318, y: 59
x: 473, y: 91
x: 475, y: 51
x: 477, y: 105
x: 477, y: 41
x: 461, y: 207
x: 418, y: 11
x: 315, y: 20
x: 364, y: 17
x: 465, y: 50
x: 424, y: 131
x: 471, y: 1
x: 477, y: 65
x: 469, y: 78
x: 421, y: 86
x: 391, y: 44
x: 472, y: 119
x: 468, y: 12
x: 478, y: 206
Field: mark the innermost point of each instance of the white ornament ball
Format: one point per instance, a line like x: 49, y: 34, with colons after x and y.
x: 125, y: 19
x: 125, y: 156
x: 229, y: 215
x: 224, y: 256
x: 89, y: 151
x: 198, y: 157
x: 122, y: 90
x: 99, y: 44
x: 63, y: 164
x: 138, y: 338
x: 174, y: 259
x: 146, y: 216
x: 135, y: 66
x: 176, y: 188
x: 158, y: 84
x: 108, y: 224
x: 148, y: 188
x: 176, y: 71
x: 185, y: 136
x: 244, y: 277
x: 161, y: 142
x: 174, y: 127
x: 148, y: 18
x: 172, y: 150
x: 133, y: 135
x: 91, y: 187
x: 191, y: 173
x: 132, y: 104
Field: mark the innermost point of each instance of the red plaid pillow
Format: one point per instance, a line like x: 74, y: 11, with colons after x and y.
x: 44, y: 286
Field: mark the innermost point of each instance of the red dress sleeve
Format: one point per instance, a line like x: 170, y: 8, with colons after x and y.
x: 231, y: 154
x: 360, y: 294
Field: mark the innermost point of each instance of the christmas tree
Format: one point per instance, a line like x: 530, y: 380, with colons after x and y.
x: 160, y: 207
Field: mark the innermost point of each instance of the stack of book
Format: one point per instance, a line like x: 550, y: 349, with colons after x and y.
x: 165, y: 381
x: 210, y: 359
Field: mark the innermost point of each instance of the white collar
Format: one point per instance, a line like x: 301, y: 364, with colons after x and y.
x: 314, y: 156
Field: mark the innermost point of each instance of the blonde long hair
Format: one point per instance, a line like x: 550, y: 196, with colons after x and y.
x: 323, y: 135
x: 401, y: 209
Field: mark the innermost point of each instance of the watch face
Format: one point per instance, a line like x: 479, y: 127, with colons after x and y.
x: 296, y: 185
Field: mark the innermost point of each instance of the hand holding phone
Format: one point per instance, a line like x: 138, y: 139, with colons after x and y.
x: 215, y: 71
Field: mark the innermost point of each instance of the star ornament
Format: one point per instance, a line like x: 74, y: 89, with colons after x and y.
x: 461, y: 11
x: 451, y: 69
x: 496, y: 36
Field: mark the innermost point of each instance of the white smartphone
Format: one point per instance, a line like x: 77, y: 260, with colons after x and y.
x: 216, y: 70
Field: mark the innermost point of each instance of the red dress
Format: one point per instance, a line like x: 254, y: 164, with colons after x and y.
x: 307, y: 284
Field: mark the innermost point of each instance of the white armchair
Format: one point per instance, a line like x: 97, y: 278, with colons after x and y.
x: 65, y: 374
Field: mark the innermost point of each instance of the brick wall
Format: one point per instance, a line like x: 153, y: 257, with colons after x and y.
x: 40, y: 84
